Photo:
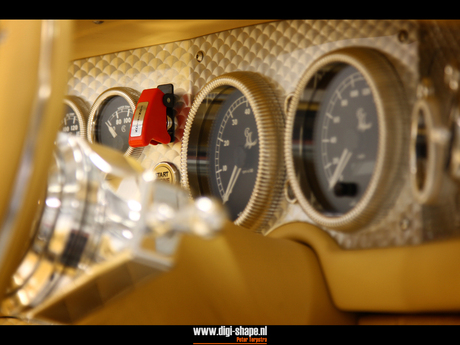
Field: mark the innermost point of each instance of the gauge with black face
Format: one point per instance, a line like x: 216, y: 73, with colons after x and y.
x: 231, y: 147
x: 110, y: 120
x: 75, y: 116
x: 114, y: 123
x: 344, y: 138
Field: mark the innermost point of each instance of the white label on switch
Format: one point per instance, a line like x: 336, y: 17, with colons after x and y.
x: 138, y: 119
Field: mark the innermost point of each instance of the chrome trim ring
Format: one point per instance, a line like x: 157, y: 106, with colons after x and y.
x: 131, y: 96
x: 392, y: 117
x: 430, y: 136
x: 81, y: 109
x: 269, y: 119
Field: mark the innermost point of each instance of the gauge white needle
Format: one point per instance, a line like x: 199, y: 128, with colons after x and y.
x: 235, y: 173
x: 344, y: 158
x: 111, y: 130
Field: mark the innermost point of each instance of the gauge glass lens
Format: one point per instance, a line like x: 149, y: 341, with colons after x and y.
x: 337, y: 134
x: 234, y: 153
x: 113, y: 123
x: 70, y: 123
x: 231, y: 147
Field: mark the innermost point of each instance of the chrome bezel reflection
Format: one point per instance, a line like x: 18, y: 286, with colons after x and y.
x: 268, y: 116
x: 130, y: 95
x: 81, y: 110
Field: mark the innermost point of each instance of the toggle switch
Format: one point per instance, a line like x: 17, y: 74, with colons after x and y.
x: 153, y: 119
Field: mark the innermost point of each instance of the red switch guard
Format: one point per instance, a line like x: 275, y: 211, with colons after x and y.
x: 149, y: 123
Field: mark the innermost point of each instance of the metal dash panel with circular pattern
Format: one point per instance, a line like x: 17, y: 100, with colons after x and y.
x: 281, y: 51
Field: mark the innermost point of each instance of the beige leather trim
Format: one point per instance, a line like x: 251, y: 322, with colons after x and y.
x: 407, y: 279
x: 239, y: 277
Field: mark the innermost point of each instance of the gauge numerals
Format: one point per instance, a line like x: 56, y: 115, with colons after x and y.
x: 235, y: 154
x: 344, y: 138
x: 114, y: 123
x: 75, y: 116
x: 347, y: 135
x: 70, y: 122
x: 119, y: 121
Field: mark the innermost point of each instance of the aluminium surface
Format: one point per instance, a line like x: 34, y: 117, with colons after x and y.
x: 281, y: 51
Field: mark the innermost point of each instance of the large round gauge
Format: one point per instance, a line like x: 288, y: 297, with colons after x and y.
x: 110, y: 120
x: 344, y: 138
x: 231, y: 147
x: 75, y: 116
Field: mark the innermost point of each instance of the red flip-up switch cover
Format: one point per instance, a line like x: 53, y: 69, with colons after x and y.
x: 149, y: 120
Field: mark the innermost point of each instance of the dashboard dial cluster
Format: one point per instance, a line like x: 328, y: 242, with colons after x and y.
x: 107, y: 122
x: 339, y: 151
x: 341, y: 141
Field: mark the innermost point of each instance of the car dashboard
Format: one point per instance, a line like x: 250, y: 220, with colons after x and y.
x: 335, y: 140
x: 279, y: 51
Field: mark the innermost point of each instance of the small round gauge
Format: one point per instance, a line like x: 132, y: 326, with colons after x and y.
x: 75, y: 116
x: 110, y: 120
x: 231, y: 147
x: 344, y: 138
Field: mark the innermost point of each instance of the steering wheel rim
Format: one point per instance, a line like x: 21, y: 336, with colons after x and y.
x: 34, y: 57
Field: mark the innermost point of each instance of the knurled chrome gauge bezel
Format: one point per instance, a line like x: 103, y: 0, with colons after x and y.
x: 269, y: 120
x: 81, y: 110
x: 130, y: 95
x: 388, y: 93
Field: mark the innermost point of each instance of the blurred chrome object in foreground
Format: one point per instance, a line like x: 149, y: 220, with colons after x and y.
x: 98, y: 206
